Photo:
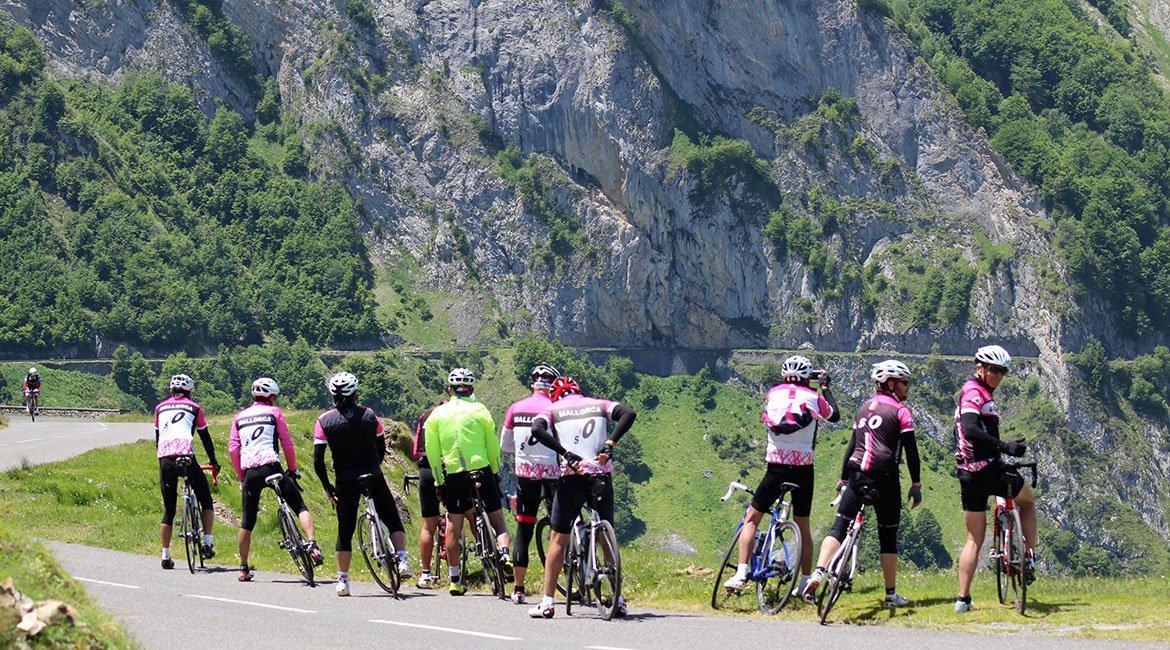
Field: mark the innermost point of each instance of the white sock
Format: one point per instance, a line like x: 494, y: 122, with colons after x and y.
x: 453, y: 571
x: 166, y: 553
x: 343, y: 576
x: 207, y: 539
x: 742, y: 570
x: 547, y: 601
x: 402, y: 557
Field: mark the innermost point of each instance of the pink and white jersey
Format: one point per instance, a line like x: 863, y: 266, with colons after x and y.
x: 790, y: 405
x: 877, y: 434
x: 176, y: 420
x: 257, y: 435
x: 974, y: 455
x: 533, y: 460
x: 581, y: 426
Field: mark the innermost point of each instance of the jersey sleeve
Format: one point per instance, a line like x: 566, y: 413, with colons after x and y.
x: 319, y: 437
x: 234, y: 449
x: 507, y: 438
x: 971, y: 401
x: 609, y: 407
x: 378, y: 430
x: 824, y: 409
x: 905, y: 419
x: 491, y: 442
x: 200, y: 418
x: 156, y: 419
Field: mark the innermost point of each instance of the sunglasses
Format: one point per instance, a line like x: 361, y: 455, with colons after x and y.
x: 999, y: 370
x: 904, y: 382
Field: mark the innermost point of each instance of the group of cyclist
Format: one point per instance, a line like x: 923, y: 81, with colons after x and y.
x: 557, y: 435
x: 563, y: 443
x: 883, y: 430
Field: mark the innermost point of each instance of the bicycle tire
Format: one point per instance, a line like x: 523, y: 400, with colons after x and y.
x: 374, y: 552
x: 781, y: 576
x: 838, y: 576
x: 493, y: 569
x: 1019, y: 585
x: 295, y: 544
x: 190, y: 547
x: 716, y: 601
x: 196, y: 527
x: 1001, y: 576
x: 607, y: 579
x: 543, y: 533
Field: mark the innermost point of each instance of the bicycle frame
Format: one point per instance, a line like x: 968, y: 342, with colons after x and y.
x: 760, y: 560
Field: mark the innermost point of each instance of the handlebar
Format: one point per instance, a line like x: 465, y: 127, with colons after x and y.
x: 407, y: 479
x: 732, y: 487
x: 214, y: 473
x: 836, y: 500
x: 1018, y: 466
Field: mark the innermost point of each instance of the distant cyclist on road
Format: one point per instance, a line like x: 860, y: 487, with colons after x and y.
x: 537, y: 466
x: 981, y: 475
x: 791, y: 410
x: 32, y: 386
x: 882, y: 430
x: 354, y: 434
x: 257, y: 435
x: 460, y: 439
x: 428, y: 501
x: 176, y: 419
x: 575, y: 427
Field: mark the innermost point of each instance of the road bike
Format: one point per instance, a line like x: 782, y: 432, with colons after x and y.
x: 191, y: 517
x: 843, y: 567
x: 439, y: 548
x: 293, y: 539
x: 374, y: 540
x: 34, y: 404
x: 1010, y: 551
x: 484, y: 540
x: 774, y: 563
x: 543, y: 532
x: 592, y: 558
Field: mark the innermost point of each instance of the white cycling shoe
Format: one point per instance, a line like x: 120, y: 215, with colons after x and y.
x: 343, y: 586
x: 896, y: 600
x: 736, y: 584
x: 541, y: 610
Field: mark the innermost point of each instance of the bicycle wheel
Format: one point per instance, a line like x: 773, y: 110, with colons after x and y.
x: 543, y: 534
x: 1019, y: 585
x: 782, y: 569
x: 33, y: 406
x: 730, y: 563
x: 374, y: 552
x: 999, y: 554
x: 493, y: 570
x: 295, y: 544
x: 190, y: 544
x: 607, y: 580
x: 837, y: 579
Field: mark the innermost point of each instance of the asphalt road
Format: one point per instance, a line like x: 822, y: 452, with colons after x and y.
x: 51, y: 439
x: 163, y: 609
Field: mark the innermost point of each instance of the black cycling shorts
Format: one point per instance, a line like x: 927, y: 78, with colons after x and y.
x: 886, y: 491
x: 428, y: 497
x: 169, y: 470
x: 530, y: 492
x: 573, y: 492
x: 253, y: 484
x: 459, y: 492
x: 769, y: 489
x: 976, y: 487
x: 349, y: 500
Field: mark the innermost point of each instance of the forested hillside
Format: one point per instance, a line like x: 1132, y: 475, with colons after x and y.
x: 128, y: 215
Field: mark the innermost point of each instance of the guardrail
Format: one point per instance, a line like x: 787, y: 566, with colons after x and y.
x: 61, y: 410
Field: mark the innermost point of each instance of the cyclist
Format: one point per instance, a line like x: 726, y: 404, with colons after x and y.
x: 354, y: 434
x: 254, y: 442
x: 428, y: 501
x: 31, y: 386
x: 176, y: 419
x: 790, y: 413
x: 569, y: 428
x: 977, y: 451
x: 537, y: 466
x: 882, y: 429
x: 461, y: 438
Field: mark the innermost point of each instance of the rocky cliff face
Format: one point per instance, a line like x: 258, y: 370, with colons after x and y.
x: 410, y: 114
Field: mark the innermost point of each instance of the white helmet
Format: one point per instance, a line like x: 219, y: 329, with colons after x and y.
x: 183, y: 383
x: 993, y: 355
x: 265, y: 387
x: 884, y: 371
x: 32, y: 371
x: 796, y: 366
x: 343, y: 384
x: 543, y: 374
x: 461, y: 377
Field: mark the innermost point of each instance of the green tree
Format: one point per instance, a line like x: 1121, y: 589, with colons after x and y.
x: 227, y: 139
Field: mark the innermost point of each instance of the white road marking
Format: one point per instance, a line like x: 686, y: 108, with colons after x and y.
x: 27, y: 440
x: 485, y: 635
x: 103, y: 582
x: 248, y: 602
x: 606, y: 647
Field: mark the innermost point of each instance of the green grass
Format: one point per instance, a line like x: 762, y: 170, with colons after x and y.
x: 36, y: 574
x: 64, y: 388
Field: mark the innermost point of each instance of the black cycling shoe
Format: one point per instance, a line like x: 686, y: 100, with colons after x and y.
x: 168, y: 563
x: 208, y: 551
